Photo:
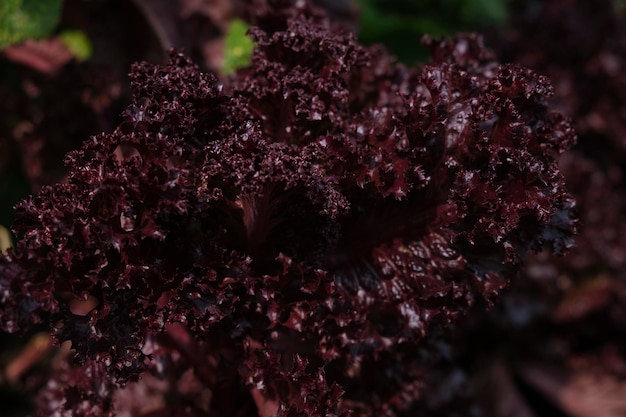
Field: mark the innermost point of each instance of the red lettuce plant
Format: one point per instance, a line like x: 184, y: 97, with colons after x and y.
x: 561, y: 346
x: 292, y: 235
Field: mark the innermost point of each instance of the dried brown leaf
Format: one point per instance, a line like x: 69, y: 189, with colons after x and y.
x: 36, y: 349
x: 583, y: 394
x: 584, y: 299
x: 46, y: 55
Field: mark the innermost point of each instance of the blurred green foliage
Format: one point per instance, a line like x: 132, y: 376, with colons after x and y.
x: 77, y: 42
x: 237, y: 47
x: 22, y: 19
x: 400, y: 24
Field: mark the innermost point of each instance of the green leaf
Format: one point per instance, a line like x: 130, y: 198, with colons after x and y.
x: 400, y: 24
x: 483, y: 10
x: 238, y: 47
x: 22, y: 19
x: 77, y: 42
